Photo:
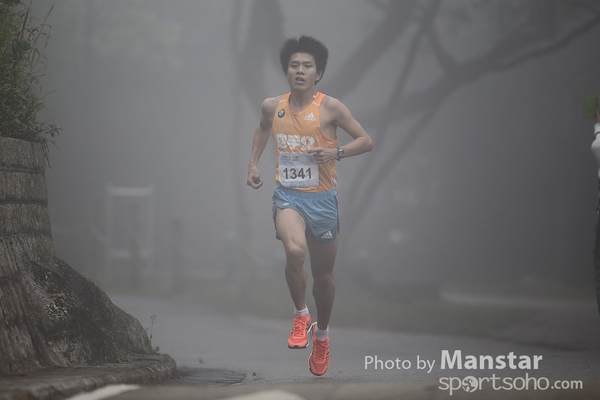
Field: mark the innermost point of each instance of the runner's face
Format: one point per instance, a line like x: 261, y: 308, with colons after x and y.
x: 302, y: 71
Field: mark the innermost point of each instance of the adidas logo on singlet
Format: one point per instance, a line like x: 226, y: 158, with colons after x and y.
x: 310, y: 117
x: 327, y: 235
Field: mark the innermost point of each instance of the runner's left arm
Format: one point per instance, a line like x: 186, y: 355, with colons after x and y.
x: 342, y: 118
x: 361, y: 142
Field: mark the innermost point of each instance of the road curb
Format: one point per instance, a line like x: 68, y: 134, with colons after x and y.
x: 60, y: 383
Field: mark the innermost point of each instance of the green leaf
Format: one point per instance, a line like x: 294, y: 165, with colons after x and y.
x: 11, y: 2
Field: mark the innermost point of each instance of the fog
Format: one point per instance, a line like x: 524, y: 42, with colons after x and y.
x: 489, y: 179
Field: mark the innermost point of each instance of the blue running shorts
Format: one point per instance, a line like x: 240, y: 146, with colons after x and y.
x: 319, y: 210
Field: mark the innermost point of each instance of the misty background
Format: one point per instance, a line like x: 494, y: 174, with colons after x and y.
x: 481, y: 173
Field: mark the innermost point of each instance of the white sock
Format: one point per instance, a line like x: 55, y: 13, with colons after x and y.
x: 320, y: 334
x: 301, y: 312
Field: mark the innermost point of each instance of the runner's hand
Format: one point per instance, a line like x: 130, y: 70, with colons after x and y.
x: 323, y: 155
x: 254, y: 180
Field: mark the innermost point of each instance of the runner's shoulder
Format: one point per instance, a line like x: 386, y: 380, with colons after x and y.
x: 334, y: 107
x: 269, y: 105
x: 331, y: 103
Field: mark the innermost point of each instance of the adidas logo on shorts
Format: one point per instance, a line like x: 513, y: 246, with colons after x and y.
x: 327, y: 235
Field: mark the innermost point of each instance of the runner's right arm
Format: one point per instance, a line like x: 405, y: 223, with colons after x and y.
x: 261, y: 138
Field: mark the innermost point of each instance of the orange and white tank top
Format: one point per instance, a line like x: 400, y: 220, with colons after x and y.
x: 295, y: 134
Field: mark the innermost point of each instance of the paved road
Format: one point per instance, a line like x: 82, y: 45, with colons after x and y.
x: 255, y: 349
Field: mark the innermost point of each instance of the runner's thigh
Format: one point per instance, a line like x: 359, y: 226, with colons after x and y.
x: 291, y: 227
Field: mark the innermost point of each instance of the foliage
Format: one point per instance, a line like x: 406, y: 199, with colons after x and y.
x: 123, y: 358
x: 22, y: 63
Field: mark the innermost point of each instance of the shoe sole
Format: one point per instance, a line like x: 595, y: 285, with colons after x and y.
x: 297, y: 347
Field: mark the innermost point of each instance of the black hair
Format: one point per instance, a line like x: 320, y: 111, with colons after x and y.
x: 304, y: 44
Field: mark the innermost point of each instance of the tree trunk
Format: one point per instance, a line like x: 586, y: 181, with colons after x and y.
x: 50, y: 315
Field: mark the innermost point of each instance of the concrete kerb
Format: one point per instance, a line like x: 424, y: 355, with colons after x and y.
x: 60, y: 383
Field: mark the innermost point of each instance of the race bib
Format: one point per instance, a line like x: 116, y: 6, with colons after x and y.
x: 298, y: 170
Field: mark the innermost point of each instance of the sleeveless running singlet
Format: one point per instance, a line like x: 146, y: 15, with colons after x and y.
x: 294, y: 135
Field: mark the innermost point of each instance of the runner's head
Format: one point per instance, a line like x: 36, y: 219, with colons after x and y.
x: 304, y: 44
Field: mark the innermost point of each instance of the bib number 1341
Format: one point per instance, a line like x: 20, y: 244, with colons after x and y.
x: 298, y: 170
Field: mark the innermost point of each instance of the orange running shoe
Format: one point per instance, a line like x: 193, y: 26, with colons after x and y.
x: 318, y: 361
x: 298, y: 339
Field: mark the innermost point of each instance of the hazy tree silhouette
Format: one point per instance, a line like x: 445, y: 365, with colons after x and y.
x: 525, y: 30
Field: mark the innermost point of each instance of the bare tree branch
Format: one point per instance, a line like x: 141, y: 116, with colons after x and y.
x: 398, y: 16
x: 551, y: 47
x: 501, y: 56
x: 443, y: 57
x: 386, y: 116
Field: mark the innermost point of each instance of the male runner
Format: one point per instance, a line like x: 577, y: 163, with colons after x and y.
x: 303, y: 123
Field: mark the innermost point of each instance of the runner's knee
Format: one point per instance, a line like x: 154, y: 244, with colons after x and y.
x: 323, y: 278
x: 295, y: 254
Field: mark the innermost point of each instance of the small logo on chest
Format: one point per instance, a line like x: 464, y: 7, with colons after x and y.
x: 310, y: 117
